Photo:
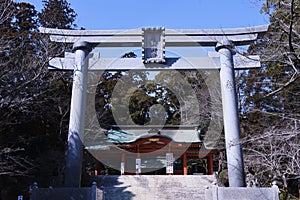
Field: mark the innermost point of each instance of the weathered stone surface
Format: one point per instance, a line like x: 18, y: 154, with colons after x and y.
x: 178, y: 37
x: 241, y: 193
x: 154, y: 187
x: 66, y: 194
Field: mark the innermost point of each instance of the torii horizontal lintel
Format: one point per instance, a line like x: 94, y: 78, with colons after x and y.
x: 189, y: 63
x: 173, y: 37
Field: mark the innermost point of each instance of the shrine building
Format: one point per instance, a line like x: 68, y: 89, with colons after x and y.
x: 177, y: 150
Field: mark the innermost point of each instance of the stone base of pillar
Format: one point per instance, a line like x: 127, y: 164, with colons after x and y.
x: 86, y: 193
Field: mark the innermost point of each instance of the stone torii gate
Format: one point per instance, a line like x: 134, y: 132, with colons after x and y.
x: 154, y: 41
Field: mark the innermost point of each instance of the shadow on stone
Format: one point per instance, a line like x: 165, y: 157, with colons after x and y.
x: 86, y: 193
x: 113, y: 188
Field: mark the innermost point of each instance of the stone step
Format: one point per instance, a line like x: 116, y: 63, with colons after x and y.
x: 154, y: 186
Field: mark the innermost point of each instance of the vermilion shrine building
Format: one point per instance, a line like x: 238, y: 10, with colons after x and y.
x: 127, y: 143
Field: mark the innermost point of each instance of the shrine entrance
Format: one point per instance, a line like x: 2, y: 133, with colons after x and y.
x: 153, y: 42
x: 184, y: 148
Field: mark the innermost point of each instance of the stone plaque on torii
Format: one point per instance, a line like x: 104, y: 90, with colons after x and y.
x: 153, y: 42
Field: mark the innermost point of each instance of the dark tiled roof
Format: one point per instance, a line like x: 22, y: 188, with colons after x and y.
x: 180, y: 135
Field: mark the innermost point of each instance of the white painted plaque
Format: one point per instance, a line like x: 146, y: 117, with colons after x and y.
x: 169, y: 163
x: 138, y: 163
x: 122, y: 168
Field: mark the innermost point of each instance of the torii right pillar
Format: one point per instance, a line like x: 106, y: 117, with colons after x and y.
x: 234, y: 153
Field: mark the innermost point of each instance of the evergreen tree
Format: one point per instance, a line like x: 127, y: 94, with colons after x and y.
x: 275, y: 88
x: 271, y: 98
x: 34, y: 103
x: 57, y: 14
x: 144, y: 93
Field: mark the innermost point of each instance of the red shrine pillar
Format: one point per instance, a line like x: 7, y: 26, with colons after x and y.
x: 210, y: 163
x: 184, y: 164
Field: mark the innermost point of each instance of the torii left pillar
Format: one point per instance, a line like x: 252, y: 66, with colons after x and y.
x: 77, y: 112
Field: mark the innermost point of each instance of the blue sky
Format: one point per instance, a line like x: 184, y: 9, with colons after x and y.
x: 173, y: 14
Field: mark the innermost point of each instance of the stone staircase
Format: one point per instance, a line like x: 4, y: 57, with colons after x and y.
x: 151, y: 187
